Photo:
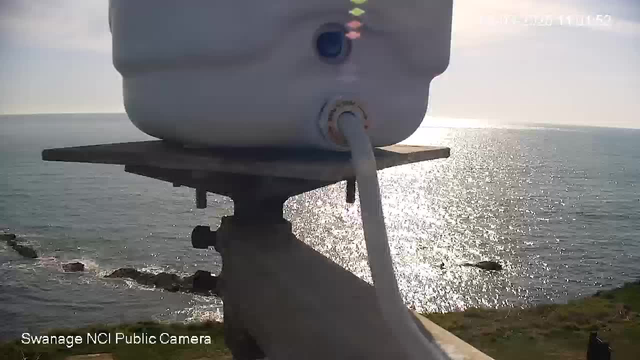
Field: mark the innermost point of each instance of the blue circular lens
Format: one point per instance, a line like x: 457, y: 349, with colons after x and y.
x: 332, y: 44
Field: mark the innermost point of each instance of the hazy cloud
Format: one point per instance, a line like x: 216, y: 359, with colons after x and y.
x: 73, y: 24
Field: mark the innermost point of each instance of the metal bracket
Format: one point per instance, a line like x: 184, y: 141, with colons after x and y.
x: 351, y: 191
x: 201, y: 198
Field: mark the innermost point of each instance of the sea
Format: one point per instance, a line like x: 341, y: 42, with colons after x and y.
x: 558, y: 206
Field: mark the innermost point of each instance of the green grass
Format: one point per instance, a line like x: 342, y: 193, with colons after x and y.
x: 558, y: 331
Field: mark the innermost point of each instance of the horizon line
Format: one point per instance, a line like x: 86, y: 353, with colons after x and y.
x: 485, y: 121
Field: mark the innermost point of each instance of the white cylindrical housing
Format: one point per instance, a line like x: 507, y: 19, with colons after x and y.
x: 248, y: 73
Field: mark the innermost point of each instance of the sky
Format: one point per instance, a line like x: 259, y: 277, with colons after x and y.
x: 55, y: 57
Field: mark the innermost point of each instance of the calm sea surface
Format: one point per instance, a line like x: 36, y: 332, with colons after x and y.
x: 559, y: 207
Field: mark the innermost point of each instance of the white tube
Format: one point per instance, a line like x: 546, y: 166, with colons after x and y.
x: 394, y: 311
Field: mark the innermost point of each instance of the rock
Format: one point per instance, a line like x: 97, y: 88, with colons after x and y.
x: 486, y: 265
x: 186, y: 284
x: 7, y: 237
x: 25, y: 251
x: 146, y: 279
x: 204, y: 282
x: 169, y: 282
x: 489, y: 265
x: 125, y: 273
x: 73, y: 267
x: 133, y: 274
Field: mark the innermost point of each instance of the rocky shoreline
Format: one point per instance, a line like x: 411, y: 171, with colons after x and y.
x: 201, y: 283
x: 12, y: 242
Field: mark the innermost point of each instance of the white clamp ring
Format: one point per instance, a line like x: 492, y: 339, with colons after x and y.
x: 332, y: 112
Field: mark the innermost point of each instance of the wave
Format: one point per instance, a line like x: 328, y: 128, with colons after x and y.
x: 193, y: 314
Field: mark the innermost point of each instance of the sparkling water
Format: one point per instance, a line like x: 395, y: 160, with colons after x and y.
x: 557, y: 206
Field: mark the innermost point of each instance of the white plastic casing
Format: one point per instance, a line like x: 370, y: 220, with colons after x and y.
x: 247, y: 73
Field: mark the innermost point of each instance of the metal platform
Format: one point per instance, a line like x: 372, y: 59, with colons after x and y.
x: 281, y: 298
x: 298, y: 164
x: 255, y: 174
